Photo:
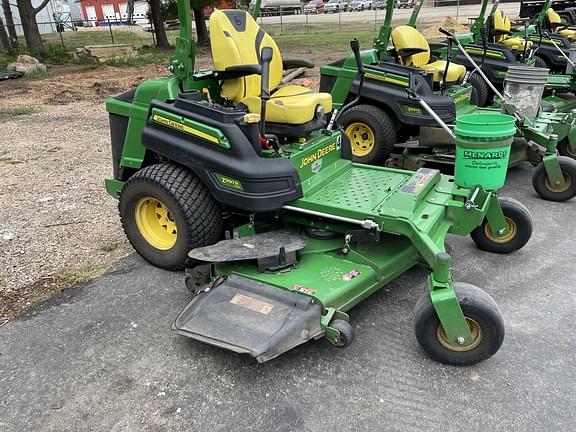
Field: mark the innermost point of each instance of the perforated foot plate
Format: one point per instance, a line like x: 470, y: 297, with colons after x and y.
x: 250, y: 317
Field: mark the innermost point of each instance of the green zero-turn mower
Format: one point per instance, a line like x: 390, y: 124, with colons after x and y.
x: 390, y: 116
x: 539, y: 140
x: 223, y: 170
x: 386, y: 114
x: 551, y: 42
x: 495, y: 45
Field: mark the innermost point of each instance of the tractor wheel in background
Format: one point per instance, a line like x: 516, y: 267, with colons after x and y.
x: 565, y: 150
x: 519, y: 222
x: 166, y: 211
x: 484, y: 321
x: 371, y: 132
x: 540, y: 62
x: 482, y: 89
x: 556, y: 193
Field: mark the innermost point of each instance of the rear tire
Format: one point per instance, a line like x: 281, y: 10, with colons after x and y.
x: 166, y: 211
x: 482, y: 89
x: 371, y: 132
x: 540, y: 62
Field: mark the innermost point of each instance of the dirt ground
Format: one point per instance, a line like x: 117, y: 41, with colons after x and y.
x: 58, y: 226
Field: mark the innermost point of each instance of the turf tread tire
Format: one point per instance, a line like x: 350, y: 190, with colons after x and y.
x: 482, y: 89
x: 382, y: 126
x: 540, y: 62
x: 197, y: 214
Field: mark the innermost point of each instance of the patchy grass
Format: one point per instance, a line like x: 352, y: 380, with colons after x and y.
x: 9, y: 113
x: 14, y: 302
x: 70, y: 277
x: 140, y: 59
x: 101, y: 36
x: 108, y: 247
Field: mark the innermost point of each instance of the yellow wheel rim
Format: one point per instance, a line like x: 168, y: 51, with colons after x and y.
x: 475, y: 331
x: 361, y: 138
x: 156, y: 223
x: 565, y: 187
x: 512, y: 231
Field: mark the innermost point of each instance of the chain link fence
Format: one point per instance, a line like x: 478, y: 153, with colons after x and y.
x: 77, y: 33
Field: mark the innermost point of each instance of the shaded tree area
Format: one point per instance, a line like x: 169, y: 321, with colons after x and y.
x: 157, y: 19
x: 170, y: 12
x: 29, y: 26
x: 12, y: 37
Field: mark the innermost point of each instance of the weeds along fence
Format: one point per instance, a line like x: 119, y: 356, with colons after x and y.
x: 323, y: 28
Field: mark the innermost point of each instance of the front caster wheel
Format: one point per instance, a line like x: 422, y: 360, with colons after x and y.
x: 346, y: 332
x: 565, y: 149
x: 484, y: 321
x: 550, y: 192
x: 519, y: 223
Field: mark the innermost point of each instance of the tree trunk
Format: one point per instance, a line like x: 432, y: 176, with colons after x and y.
x: 10, y: 24
x: 160, y: 32
x: 201, y: 30
x: 4, y: 41
x: 29, y: 27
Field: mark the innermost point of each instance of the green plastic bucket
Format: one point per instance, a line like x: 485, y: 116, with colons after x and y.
x: 483, y: 143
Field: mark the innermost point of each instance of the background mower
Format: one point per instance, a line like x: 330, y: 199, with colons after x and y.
x: 385, y: 114
x: 390, y: 113
x: 223, y: 168
x: 539, y: 134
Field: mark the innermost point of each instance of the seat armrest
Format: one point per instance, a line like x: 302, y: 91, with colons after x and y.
x: 296, y: 63
x: 239, y: 71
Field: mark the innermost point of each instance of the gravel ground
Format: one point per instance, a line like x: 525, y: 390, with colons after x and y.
x: 59, y: 226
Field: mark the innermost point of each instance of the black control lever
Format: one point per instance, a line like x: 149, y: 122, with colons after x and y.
x: 355, y: 47
x: 265, y: 60
x: 447, y: 33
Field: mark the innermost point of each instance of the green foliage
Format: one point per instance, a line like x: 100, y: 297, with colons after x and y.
x: 169, y: 9
x: 140, y: 59
x: 57, y: 55
x: 10, y: 56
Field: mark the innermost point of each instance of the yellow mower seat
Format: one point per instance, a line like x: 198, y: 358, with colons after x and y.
x: 406, y: 38
x: 236, y: 39
x: 501, y: 28
x: 555, y: 22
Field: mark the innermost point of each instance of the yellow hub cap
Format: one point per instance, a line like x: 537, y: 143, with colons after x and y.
x: 155, y: 223
x: 565, y: 187
x: 512, y: 230
x: 361, y: 138
x: 475, y: 331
